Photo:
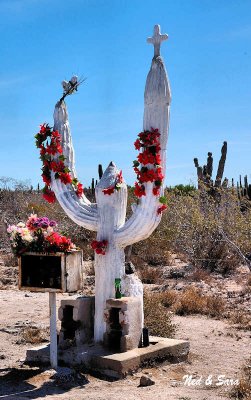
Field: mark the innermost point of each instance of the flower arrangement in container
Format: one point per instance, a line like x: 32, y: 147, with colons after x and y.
x: 38, y: 235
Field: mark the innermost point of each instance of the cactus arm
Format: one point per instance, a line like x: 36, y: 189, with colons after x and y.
x: 80, y: 210
x: 142, y: 223
x: 156, y: 115
x: 61, y: 124
x: 81, y: 213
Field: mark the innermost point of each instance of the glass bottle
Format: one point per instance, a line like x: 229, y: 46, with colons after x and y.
x: 118, y: 293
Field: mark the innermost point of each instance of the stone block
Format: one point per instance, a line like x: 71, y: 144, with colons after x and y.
x: 123, y: 319
x: 77, y: 321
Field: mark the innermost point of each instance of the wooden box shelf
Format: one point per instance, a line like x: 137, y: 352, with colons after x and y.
x: 58, y: 272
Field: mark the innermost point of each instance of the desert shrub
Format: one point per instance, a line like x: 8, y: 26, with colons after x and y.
x: 243, y: 390
x: 242, y: 319
x: 215, y: 306
x: 194, y: 227
x: 10, y: 260
x: 35, y: 335
x: 182, y: 189
x: 247, y: 287
x: 150, y: 274
x: 199, y: 274
x: 157, y: 319
x: 5, y: 283
x: 192, y: 301
x: 88, y: 267
x: 153, y: 251
x: 197, y: 226
x: 168, y: 298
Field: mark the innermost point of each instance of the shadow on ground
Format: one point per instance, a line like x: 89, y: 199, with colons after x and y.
x: 32, y: 383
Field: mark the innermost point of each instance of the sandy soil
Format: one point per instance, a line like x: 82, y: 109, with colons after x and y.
x: 216, y: 349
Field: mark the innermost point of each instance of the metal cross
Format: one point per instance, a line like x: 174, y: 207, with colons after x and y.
x: 157, y: 39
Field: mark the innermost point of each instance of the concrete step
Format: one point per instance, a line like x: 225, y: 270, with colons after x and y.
x: 116, y: 365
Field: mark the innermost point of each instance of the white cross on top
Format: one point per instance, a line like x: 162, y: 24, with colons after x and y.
x: 157, y: 39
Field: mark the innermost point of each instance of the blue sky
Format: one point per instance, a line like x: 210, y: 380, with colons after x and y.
x: 207, y: 56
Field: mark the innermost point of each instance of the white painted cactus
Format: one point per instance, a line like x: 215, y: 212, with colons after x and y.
x: 108, y: 215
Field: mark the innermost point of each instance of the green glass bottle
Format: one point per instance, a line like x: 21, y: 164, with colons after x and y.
x: 118, y: 293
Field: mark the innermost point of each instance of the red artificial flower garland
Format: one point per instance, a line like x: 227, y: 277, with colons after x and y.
x: 161, y: 209
x: 117, y: 185
x: 148, y: 165
x: 50, y: 144
x: 99, y: 246
x: 149, y: 158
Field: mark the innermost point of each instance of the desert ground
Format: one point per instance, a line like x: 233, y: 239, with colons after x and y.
x: 217, y: 347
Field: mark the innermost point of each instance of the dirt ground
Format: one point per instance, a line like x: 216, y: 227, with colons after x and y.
x: 216, y: 349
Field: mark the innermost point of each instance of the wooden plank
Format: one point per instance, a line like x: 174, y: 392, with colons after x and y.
x: 42, y: 290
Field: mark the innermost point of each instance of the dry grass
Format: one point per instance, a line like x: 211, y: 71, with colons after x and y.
x: 168, y: 298
x: 35, y: 335
x: 10, y: 260
x: 192, y: 227
x: 191, y: 301
x: 199, y: 274
x: 243, y: 390
x: 8, y: 272
x: 242, y: 319
x: 157, y: 319
x: 247, y: 287
x: 89, y: 268
x: 150, y: 275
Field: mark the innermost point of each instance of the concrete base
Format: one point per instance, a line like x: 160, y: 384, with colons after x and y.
x: 118, y: 365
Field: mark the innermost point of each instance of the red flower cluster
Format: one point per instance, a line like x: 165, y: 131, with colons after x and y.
x: 118, y: 181
x: 52, y: 147
x: 139, y: 190
x: 161, y: 209
x: 156, y: 191
x: 80, y: 189
x: 149, y: 144
x: 49, y: 195
x: 148, y: 138
x: 148, y: 158
x: 109, y: 190
x: 99, y: 246
x: 61, y: 242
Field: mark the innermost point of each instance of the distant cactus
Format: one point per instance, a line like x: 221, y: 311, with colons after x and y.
x: 93, y: 186
x: 244, y: 193
x: 204, y: 173
x: 100, y: 171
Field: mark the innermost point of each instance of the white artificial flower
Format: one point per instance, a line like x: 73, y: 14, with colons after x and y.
x: 21, y: 225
